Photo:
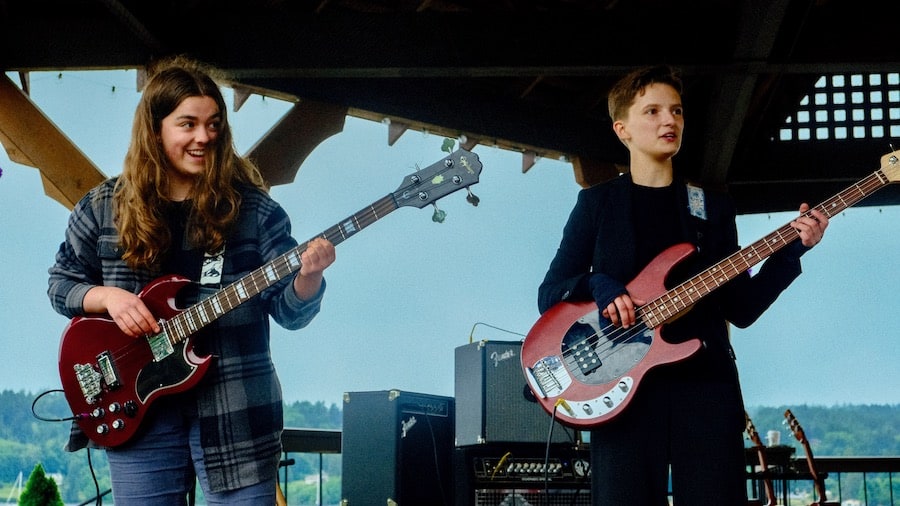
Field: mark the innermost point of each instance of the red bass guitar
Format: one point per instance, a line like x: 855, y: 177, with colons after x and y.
x: 110, y: 379
x: 585, y: 372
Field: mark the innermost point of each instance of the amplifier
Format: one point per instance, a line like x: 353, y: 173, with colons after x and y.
x: 522, y: 474
x: 532, y: 497
x: 397, y: 449
x: 493, y: 401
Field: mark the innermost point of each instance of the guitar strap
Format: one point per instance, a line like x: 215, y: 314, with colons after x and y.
x: 697, y: 206
x: 211, y: 271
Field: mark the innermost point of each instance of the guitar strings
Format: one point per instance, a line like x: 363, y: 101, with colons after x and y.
x: 616, y: 336
x: 613, y: 336
x: 335, y: 234
x: 133, y: 353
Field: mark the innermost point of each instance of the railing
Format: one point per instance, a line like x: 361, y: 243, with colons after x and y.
x: 319, y: 441
x: 850, y: 481
x: 862, y: 481
x: 841, y: 470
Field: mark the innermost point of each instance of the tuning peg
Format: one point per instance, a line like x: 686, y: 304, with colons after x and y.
x: 439, y: 215
x: 448, y: 145
x: 472, y: 198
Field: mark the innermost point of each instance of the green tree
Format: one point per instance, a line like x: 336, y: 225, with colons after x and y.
x: 40, y: 490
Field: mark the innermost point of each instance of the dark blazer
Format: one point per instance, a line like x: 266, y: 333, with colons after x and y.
x: 599, y: 241
x: 597, y: 257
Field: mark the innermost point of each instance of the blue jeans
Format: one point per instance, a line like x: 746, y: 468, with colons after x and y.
x: 160, y: 465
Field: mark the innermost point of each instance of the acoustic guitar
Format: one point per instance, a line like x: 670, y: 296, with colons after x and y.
x: 818, y: 480
x: 763, y: 465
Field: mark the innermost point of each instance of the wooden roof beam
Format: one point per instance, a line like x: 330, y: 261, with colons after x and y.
x: 30, y: 138
x: 281, y: 151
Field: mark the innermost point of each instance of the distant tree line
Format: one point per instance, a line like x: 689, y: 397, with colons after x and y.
x: 28, y: 439
x: 837, y: 431
x: 841, y: 431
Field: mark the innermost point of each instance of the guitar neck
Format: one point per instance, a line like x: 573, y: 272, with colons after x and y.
x: 761, y: 456
x: 192, y: 319
x: 683, y: 296
x: 800, y: 436
x: 818, y: 482
x: 453, y: 172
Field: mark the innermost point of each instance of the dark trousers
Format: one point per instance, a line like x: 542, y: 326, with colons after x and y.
x: 693, y: 429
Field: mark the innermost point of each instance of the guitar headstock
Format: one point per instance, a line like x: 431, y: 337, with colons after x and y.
x: 890, y: 165
x: 795, y: 427
x: 751, y: 431
x: 455, y: 171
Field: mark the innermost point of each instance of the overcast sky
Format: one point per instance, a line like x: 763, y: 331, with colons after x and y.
x: 407, y: 291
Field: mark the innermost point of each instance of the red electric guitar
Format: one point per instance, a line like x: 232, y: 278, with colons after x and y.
x: 574, y: 361
x: 110, y: 379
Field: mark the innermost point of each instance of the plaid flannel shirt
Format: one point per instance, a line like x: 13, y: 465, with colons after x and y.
x: 239, y: 399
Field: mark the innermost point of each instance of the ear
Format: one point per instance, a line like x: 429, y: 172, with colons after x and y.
x: 621, y: 131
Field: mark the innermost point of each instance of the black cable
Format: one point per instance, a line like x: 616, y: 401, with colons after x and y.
x: 94, y: 477
x: 98, y: 498
x: 570, y: 435
x: 437, y: 460
x: 547, y: 455
x: 472, y: 332
x: 39, y: 397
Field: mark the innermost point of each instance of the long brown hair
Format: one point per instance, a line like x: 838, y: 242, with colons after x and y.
x: 141, y: 189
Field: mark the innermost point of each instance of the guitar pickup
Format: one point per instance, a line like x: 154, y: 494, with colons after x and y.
x: 585, y: 357
x: 108, y: 370
x: 160, y: 346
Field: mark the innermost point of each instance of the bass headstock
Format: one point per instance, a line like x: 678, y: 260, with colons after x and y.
x: 455, y: 171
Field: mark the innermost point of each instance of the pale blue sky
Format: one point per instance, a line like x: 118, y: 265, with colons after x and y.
x: 406, y: 291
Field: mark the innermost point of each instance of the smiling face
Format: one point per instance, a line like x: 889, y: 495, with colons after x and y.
x: 653, y: 126
x: 188, y: 136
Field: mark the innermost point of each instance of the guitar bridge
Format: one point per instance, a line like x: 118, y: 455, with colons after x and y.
x: 89, y: 382
x: 549, y: 375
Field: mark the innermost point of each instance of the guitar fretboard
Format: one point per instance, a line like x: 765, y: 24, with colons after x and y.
x: 197, y: 316
x: 678, y: 299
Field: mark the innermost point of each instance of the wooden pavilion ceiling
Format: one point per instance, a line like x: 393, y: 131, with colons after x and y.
x: 530, y: 76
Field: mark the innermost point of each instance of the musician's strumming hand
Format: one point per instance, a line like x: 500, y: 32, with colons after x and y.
x: 621, y: 311
x: 126, y: 309
x: 810, y: 225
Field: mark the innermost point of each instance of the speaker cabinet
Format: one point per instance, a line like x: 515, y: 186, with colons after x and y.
x: 397, y: 448
x: 493, y: 401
